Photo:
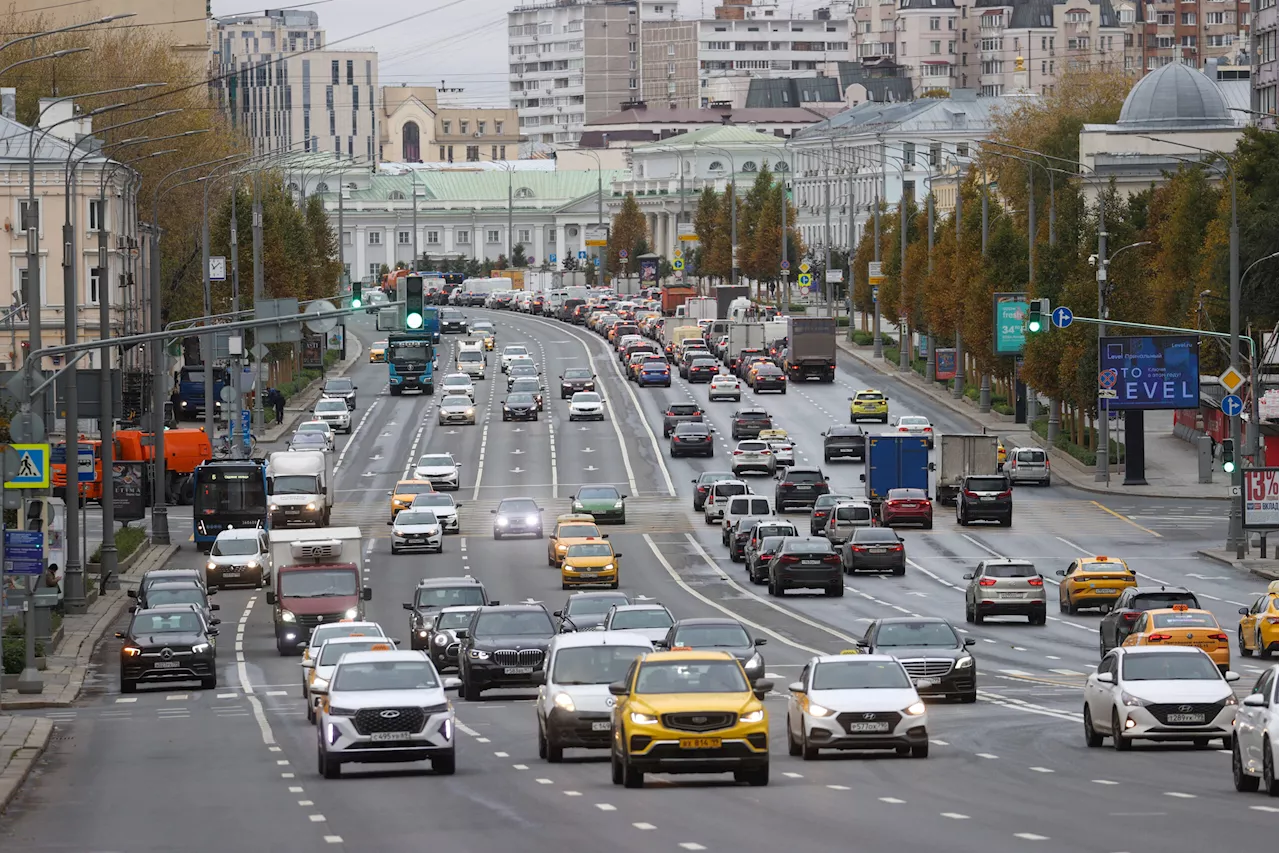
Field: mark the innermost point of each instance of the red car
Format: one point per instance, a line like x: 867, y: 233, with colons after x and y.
x: 906, y: 506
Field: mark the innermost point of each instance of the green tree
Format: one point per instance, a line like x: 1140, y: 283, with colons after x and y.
x: 518, y: 258
x: 629, y: 232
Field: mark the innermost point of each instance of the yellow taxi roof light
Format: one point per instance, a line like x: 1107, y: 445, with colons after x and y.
x: 380, y: 647
x: 1180, y: 608
x: 850, y: 652
x: 1273, y: 587
x: 1101, y: 559
x: 682, y: 648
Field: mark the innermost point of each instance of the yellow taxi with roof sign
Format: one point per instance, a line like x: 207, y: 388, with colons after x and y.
x: 869, y: 404
x: 1093, y: 582
x: 590, y: 562
x: 378, y: 352
x: 1181, y: 625
x: 773, y: 435
x: 1259, y: 629
x: 570, y: 529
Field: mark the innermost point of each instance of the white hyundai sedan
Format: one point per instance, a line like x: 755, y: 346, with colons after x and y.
x: 587, y: 406
x: 439, y: 468
x: 856, y: 702
x: 1160, y: 693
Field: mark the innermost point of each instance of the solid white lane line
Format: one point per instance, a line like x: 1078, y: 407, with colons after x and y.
x: 1030, y: 836
x: 955, y: 815
x: 350, y: 442
x: 892, y: 801
x: 990, y: 551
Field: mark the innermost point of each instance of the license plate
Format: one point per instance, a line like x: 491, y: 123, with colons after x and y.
x: 586, y: 576
x: 231, y: 573
x: 868, y: 727
x: 699, y: 743
x: 1105, y: 591
x: 601, y: 727
x: 988, y: 498
x: 518, y: 670
x: 877, y: 550
x: 1010, y: 595
x: 167, y: 664
x: 1185, y: 718
x: 381, y: 736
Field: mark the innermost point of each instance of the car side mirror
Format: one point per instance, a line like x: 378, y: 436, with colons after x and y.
x: 970, y: 641
x: 761, y: 688
x: 760, y: 641
x: 451, y: 683
x: 796, y: 687
x: 389, y: 523
x: 307, y: 664
x: 618, y: 688
x: 271, y: 597
x: 1106, y: 678
x: 539, y: 677
x: 213, y: 607
x: 1062, y: 573
x: 462, y: 633
x: 213, y: 632
x: 968, y: 576
x: 661, y: 644
x: 1229, y: 675
x: 1243, y: 611
x: 408, y: 605
x: 367, y: 593
x: 557, y: 613
x: 1254, y: 700
x: 493, y: 512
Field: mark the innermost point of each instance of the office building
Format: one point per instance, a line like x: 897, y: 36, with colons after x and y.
x: 416, y: 128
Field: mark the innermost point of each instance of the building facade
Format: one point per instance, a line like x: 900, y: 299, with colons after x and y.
x: 415, y: 128
x: 1192, y: 32
x: 182, y: 23
x: 288, y: 92
x: 1263, y: 55
x: 669, y: 56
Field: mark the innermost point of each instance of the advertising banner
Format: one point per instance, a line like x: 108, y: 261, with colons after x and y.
x: 944, y: 366
x: 130, y: 494
x: 1260, y: 498
x: 649, y: 270
x: 1151, y: 371
x: 1010, y: 323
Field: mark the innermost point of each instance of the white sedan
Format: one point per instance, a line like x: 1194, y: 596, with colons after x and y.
x: 586, y: 405
x: 916, y: 425
x: 784, y: 451
x: 1161, y: 693
x: 513, y: 351
x: 416, y: 528
x: 724, y: 387
x: 439, y: 468
x: 458, y: 383
x: 856, y: 702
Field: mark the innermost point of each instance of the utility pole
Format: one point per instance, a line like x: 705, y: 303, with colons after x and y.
x: 74, y: 594
x: 904, y: 334
x: 257, y: 274
x: 238, y: 377
x: 106, y: 418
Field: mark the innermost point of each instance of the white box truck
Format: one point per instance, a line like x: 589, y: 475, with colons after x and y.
x: 298, y: 486
x: 959, y: 456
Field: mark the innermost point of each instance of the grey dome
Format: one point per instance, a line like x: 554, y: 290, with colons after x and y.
x: 1176, y: 97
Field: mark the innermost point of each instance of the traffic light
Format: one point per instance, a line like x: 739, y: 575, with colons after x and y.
x: 413, y: 302
x: 1228, y: 455
x: 1039, y: 308
x: 356, y: 301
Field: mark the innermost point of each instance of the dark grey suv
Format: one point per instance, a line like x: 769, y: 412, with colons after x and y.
x: 806, y: 562
x: 986, y: 497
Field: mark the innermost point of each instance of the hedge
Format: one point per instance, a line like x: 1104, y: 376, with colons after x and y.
x: 128, y: 540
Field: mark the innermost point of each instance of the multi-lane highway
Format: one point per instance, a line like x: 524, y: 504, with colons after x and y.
x: 172, y: 769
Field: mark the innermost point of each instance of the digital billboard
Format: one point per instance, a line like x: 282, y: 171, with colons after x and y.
x: 1010, y: 324
x: 1151, y: 371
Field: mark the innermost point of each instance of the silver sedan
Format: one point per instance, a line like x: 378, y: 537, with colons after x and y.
x: 457, y: 409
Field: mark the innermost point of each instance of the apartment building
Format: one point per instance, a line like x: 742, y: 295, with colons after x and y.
x: 668, y: 56
x: 1263, y: 56
x: 1192, y: 32
x: 416, y: 128
x: 285, y: 89
x: 571, y: 62
x: 182, y: 23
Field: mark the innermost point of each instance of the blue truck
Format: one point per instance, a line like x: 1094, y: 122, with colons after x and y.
x: 431, y: 322
x: 896, y: 462
x: 188, y: 397
x: 410, y: 361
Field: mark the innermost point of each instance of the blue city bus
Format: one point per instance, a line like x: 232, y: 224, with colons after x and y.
x: 228, y: 493
x: 410, y: 361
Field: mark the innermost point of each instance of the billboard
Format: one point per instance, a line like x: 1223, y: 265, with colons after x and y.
x: 1010, y: 323
x: 1260, y: 498
x: 1151, y: 371
x: 944, y: 363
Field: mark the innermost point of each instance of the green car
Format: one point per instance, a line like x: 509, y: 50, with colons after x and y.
x: 605, y: 503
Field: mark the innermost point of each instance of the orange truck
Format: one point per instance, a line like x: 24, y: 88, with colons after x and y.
x: 184, y: 450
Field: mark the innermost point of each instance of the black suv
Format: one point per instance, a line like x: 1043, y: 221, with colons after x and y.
x: 769, y: 378
x: 576, y: 379
x: 930, y: 648
x: 806, y: 562
x: 452, y: 322
x: 679, y: 413
x: 692, y: 438
x: 503, y: 647
x: 844, y: 442
x: 747, y: 423
x: 432, y: 595
x: 178, y: 592
x: 985, y: 497
x: 1119, y: 622
x: 799, y: 487
x: 702, y: 486
x: 340, y: 389
x: 170, y: 643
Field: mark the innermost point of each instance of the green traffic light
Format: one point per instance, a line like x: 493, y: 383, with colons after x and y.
x: 1229, y: 466
x: 413, y: 321
x: 1034, y: 325
x: 355, y: 302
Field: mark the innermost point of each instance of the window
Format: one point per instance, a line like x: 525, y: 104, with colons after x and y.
x: 464, y: 126
x: 96, y: 218
x: 351, y: 72
x: 631, y: 48
x: 463, y: 237
x: 433, y: 238
x: 337, y: 78
x: 29, y: 218
x: 94, y: 285
x: 346, y: 238
x: 446, y: 127
x: 909, y: 153
x: 441, y: 152
x: 480, y: 125
x: 404, y: 237
x: 375, y: 238
x: 374, y: 270
x: 492, y: 235
x: 631, y: 84
x: 497, y: 127
x: 524, y: 235
x: 1188, y: 19
x: 935, y: 23
x: 962, y: 149
x: 493, y: 152
x: 473, y: 153
x: 410, y: 139
x: 935, y: 47
x: 502, y: 152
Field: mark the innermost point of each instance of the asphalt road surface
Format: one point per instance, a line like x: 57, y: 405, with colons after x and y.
x: 175, y: 769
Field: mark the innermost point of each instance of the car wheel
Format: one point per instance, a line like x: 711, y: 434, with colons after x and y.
x: 921, y: 751
x: 395, y: 549
x: 445, y: 765
x: 969, y: 698
x: 209, y: 683
x: 631, y: 778
x: 1269, y: 782
x: 329, y: 768
x: 128, y: 686
x: 1102, y: 648
x: 836, y: 590
x: 755, y: 778
x: 615, y: 766
x: 1062, y: 606
x: 793, y: 748
x: 1037, y: 618
x: 1092, y: 738
x: 311, y: 712
x: 968, y: 613
x: 555, y: 752
x: 1244, y: 783
x: 808, y: 752
x: 497, y: 535
x: 978, y: 618
x: 1263, y: 651
x: 1118, y: 741
x: 470, y: 692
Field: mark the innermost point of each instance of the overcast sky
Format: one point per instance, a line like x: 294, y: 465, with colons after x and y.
x: 460, y: 43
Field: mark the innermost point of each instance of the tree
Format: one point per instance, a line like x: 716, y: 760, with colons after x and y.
x: 629, y: 231
x: 718, y: 260
x: 501, y: 262
x: 518, y: 258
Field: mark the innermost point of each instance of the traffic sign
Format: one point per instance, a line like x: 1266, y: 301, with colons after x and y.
x: 85, y: 463
x: 552, y: 257
x: 24, y: 552
x: 582, y: 255
x: 1107, y: 394
x: 875, y: 294
x: 804, y: 279
x: 786, y: 265
x: 804, y: 266
x: 678, y: 253
x: 677, y: 264
x: 1231, y: 379
x: 33, y: 467
x: 622, y: 253
x: 1108, y: 378
x: 1062, y: 316
x: 1231, y: 405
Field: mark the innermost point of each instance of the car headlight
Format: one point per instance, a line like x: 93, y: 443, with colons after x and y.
x: 565, y: 702
x: 478, y: 654
x: 311, y: 506
x: 617, y: 504
x: 577, y: 505
x: 530, y: 519
x: 440, y: 640
x: 1130, y: 701
x: 562, y: 547
x: 131, y: 651
x: 816, y: 710
x: 335, y: 711
x: 915, y: 709
x: 502, y: 522
x: 752, y: 716
x: 275, y: 507
x: 1231, y: 700
x: 471, y: 411
x: 396, y: 534
x: 643, y: 719
x: 287, y: 616
x: 252, y: 564
x: 964, y: 662
x: 211, y: 565
x: 200, y: 648
x: 755, y: 662
x: 608, y: 567
x: 352, y: 613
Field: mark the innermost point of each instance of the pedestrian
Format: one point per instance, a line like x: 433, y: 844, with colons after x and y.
x: 277, y: 399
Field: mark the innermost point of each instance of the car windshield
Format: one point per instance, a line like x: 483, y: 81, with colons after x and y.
x: 1183, y: 620
x: 693, y: 429
x: 324, y: 633
x: 304, y: 439
x: 828, y: 500
x: 179, y: 622
x: 577, y: 531
x: 313, y: 426
x: 986, y: 484
x: 435, y: 461
x: 416, y: 516
x: 432, y: 500
x: 590, y: 549
x: 331, y: 653
x: 453, y: 381
x: 586, y: 397
x: 403, y: 488
x: 1029, y: 456
x: 525, y: 384
x: 1157, y: 600
x: 379, y: 344
x: 1010, y: 570
x: 804, y: 476
x: 770, y: 531
x: 594, y: 664
x: 593, y: 605
x: 450, y: 596
x: 456, y: 401
x: 515, y: 506
x: 330, y: 406
x: 870, y: 398
x: 577, y: 373
x: 906, y: 495
x: 906, y: 634
x: 470, y: 355
x: 624, y: 620
x: 753, y: 446
x: 511, y: 352
x: 712, y: 637
x: 386, y: 675
x: 727, y: 489
x: 874, y: 535
x: 338, y: 386
x: 524, y: 370
x: 454, y: 620
x: 520, y: 400
x: 294, y: 485
x: 1170, y: 667
x: 598, y: 493
x: 854, y: 512
x: 528, y: 623
x: 683, y: 409
x: 170, y: 576
x: 234, y: 547
x: 770, y: 544
x: 319, y: 583
x: 860, y: 675
x: 157, y: 596
x: 913, y: 420
x: 698, y: 676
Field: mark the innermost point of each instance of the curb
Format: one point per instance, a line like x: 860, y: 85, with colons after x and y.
x: 1263, y: 571
x: 1057, y: 455
x: 24, y: 760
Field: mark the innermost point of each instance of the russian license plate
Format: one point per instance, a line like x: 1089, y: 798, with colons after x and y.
x: 811, y: 562
x: 231, y: 573
x: 1185, y: 718
x: 587, y: 576
x: 382, y: 736
x: 167, y: 664
x: 855, y: 728
x: 518, y: 670
x: 1010, y: 595
x: 601, y: 727
x: 699, y: 743
x: 877, y: 550
x: 988, y: 497
x: 1105, y: 591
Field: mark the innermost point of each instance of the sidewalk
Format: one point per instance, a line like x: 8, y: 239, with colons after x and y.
x: 299, y: 405
x: 1172, y: 467
x: 22, y: 741
x: 1253, y: 565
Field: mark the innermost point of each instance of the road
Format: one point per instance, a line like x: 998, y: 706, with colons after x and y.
x: 200, y: 771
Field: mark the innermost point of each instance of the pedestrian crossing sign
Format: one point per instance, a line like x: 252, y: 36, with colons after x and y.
x: 32, y: 470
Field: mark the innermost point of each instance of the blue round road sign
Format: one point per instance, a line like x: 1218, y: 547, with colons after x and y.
x: 1231, y: 405
x: 786, y: 265
x: 622, y: 253
x: 1062, y: 316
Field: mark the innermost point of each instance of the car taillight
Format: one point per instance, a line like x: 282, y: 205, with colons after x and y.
x: 675, y: 438
x: 987, y: 582
x: 1131, y: 616
x: 902, y: 429
x: 928, y: 429
x: 1008, y: 493
x: 1156, y: 638
x: 702, y: 489
x: 858, y: 548
x: 1220, y: 637
x: 970, y: 494
x: 819, y: 513
x: 895, y: 547
x: 788, y: 559
x: 1035, y: 581
x: 831, y: 558
x: 766, y: 453
x: 787, y: 485
x: 671, y: 414
x: 737, y: 453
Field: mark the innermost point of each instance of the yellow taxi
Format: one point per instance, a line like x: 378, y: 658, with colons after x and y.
x: 684, y: 711
x: 377, y: 352
x: 1002, y: 454
x: 1181, y: 626
x: 1259, y: 629
x: 320, y: 666
x: 754, y: 364
x: 487, y: 337
x: 866, y: 405
x: 1093, y: 582
x: 405, y: 491
x: 590, y: 562
x: 570, y: 529
x: 774, y: 435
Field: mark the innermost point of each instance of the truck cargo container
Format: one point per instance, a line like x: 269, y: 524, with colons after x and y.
x: 673, y: 297
x: 960, y: 456
x: 895, y: 462
x: 811, y: 343
x: 317, y: 579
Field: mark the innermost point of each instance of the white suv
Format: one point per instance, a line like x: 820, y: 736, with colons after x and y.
x: 513, y: 351
x: 1255, y: 750
x: 334, y: 412
x: 718, y: 498
x: 386, y: 707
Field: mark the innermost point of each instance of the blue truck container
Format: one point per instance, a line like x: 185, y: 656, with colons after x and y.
x: 896, y: 462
